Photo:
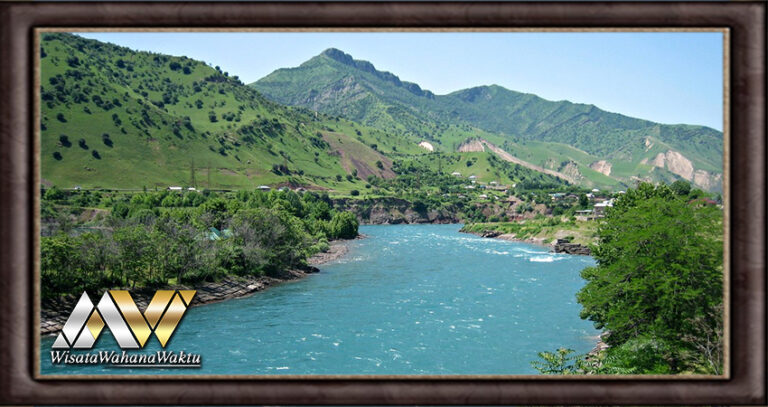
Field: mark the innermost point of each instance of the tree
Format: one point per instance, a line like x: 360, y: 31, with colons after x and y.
x: 658, y: 273
x: 344, y: 225
x: 680, y: 187
x: 583, y: 200
x: 560, y: 362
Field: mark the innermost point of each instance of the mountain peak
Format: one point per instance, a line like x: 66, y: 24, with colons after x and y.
x: 338, y: 55
x: 365, y: 66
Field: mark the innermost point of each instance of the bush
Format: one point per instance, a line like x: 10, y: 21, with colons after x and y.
x: 354, y: 192
x: 344, y: 226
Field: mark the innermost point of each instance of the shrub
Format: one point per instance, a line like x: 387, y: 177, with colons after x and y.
x: 344, y: 226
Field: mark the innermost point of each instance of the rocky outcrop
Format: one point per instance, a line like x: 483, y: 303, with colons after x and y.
x: 565, y: 246
x: 707, y: 180
x: 675, y: 162
x: 679, y: 165
x: 602, y: 166
x: 571, y: 170
x: 427, y: 146
x: 394, y: 211
x: 472, y: 146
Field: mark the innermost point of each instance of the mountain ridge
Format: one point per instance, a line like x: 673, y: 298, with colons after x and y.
x: 335, y: 83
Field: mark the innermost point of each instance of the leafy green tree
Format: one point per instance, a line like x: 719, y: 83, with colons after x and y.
x: 344, y: 225
x: 135, y: 250
x: 680, y: 187
x: 583, y: 200
x: 659, y: 270
x: 58, y: 263
x: 562, y: 361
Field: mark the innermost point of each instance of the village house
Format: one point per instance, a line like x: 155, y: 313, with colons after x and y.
x: 557, y: 196
x: 601, y: 207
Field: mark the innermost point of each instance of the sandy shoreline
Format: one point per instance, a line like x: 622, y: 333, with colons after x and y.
x: 55, y: 313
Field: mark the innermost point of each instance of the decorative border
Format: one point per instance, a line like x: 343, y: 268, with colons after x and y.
x: 743, y: 23
x: 726, y: 202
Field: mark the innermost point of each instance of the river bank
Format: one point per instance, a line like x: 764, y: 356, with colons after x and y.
x: 558, y: 246
x: 559, y: 235
x: 54, y: 313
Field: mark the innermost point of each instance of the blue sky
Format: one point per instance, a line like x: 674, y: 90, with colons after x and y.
x: 664, y: 77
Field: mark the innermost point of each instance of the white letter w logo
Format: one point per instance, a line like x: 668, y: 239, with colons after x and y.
x: 129, y: 326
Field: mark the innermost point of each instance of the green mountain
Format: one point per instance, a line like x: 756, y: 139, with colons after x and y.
x: 116, y: 118
x: 603, y: 148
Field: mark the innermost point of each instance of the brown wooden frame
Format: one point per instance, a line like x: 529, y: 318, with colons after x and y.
x: 18, y: 161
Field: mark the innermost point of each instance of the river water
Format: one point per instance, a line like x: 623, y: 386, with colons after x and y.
x: 408, y: 299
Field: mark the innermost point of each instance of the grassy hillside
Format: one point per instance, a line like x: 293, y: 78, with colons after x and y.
x: 334, y: 83
x: 120, y: 119
x: 116, y: 118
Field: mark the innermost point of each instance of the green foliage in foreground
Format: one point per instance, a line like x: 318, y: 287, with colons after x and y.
x: 154, y: 239
x: 658, y: 285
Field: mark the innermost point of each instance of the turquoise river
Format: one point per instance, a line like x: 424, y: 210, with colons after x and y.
x: 406, y: 300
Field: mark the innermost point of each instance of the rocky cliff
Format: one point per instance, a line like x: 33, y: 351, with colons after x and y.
x: 393, y: 211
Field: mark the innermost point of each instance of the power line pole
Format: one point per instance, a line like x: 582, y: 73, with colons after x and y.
x: 209, y: 175
x: 193, y: 181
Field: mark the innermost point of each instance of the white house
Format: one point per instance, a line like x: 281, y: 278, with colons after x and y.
x: 175, y: 188
x: 264, y: 188
x: 456, y: 174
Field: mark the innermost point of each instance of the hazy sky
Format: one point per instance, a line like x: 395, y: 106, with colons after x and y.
x: 664, y: 77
